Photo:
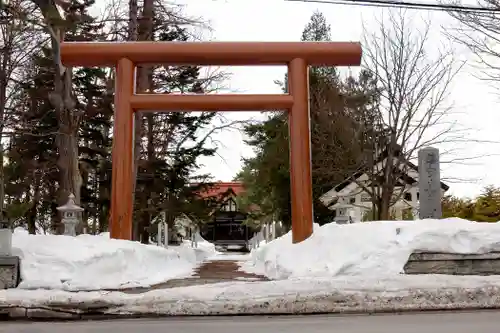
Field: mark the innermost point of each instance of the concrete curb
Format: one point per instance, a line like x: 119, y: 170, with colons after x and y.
x: 338, y: 302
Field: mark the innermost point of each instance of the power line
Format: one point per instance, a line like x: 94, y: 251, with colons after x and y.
x: 405, y: 4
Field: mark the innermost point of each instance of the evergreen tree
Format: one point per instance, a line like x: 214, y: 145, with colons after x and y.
x: 487, y: 205
x: 32, y: 170
x: 457, y: 207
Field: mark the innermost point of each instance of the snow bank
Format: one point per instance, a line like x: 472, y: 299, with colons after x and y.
x: 360, y: 294
x: 90, y: 262
x: 371, y: 249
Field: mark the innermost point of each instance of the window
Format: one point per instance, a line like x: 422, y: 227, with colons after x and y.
x: 352, y: 201
x: 232, y: 205
x: 407, y: 196
x: 229, y: 206
x: 366, y: 198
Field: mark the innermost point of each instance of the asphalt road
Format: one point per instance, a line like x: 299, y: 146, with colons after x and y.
x: 459, y: 322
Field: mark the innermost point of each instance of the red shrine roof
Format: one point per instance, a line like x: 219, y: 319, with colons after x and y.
x: 223, y: 187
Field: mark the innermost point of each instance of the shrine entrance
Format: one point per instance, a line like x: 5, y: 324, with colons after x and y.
x: 126, y: 55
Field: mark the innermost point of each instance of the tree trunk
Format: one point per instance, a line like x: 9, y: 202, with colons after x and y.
x: 144, y: 82
x: 132, y: 36
x: 32, y: 213
x: 387, y: 184
x: 83, y: 226
x: 145, y: 221
x: 55, y: 217
x: 384, y: 205
x: 3, y: 101
x: 103, y: 207
x: 70, y: 180
x: 61, y: 98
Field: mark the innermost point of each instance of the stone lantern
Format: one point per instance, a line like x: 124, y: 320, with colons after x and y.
x: 341, y: 216
x: 70, y: 215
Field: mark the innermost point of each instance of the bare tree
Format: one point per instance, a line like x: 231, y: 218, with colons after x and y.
x: 414, y: 81
x: 479, y: 31
x: 19, y: 41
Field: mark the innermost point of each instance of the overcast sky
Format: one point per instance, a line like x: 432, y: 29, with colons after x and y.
x: 278, y: 20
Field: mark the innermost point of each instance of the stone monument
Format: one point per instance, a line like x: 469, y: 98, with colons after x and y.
x: 429, y: 183
x: 424, y: 262
x: 70, y: 219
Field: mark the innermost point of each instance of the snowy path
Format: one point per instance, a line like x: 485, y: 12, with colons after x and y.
x: 223, y: 267
x: 460, y: 322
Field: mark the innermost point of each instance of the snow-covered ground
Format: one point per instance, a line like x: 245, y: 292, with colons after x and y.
x: 90, y: 262
x: 371, y: 249
x: 352, y: 267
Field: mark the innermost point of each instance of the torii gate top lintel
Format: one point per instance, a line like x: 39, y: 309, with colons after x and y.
x: 211, y: 53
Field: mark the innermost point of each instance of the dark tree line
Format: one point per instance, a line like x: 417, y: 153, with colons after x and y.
x: 57, y: 122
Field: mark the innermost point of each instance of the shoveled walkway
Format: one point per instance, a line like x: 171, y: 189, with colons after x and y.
x: 211, y: 271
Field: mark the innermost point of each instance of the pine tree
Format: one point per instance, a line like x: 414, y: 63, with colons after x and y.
x: 32, y: 169
x: 487, y: 205
x: 457, y: 207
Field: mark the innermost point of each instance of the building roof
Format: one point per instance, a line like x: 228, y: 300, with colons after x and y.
x: 410, y: 180
x: 223, y: 187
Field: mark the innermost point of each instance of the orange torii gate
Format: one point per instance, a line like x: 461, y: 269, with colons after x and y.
x: 126, y: 55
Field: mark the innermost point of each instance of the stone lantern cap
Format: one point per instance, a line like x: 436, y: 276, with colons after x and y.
x: 70, y: 206
x: 342, y: 205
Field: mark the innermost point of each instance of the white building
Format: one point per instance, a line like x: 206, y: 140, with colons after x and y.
x: 352, y: 203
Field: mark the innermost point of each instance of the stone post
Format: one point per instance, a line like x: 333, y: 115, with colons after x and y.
x: 159, y: 235
x: 5, y: 239
x: 162, y: 238
x: 10, y: 266
x: 429, y: 183
x: 163, y: 226
x: 194, y: 234
x: 70, y: 218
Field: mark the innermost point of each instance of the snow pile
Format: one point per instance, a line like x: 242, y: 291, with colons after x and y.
x: 90, y: 262
x: 203, y: 249
x: 369, y: 249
